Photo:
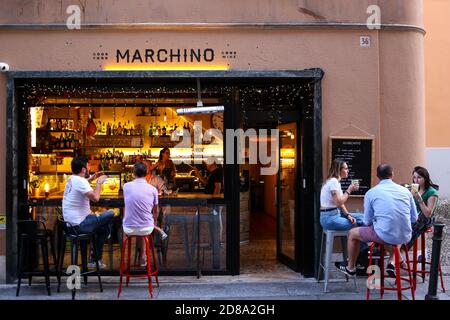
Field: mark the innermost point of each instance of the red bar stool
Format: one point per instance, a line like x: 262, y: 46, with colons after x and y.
x: 423, y: 272
x: 398, y: 278
x: 149, y: 273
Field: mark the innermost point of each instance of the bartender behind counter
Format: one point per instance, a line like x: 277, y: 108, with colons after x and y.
x: 165, y: 168
x: 214, y: 180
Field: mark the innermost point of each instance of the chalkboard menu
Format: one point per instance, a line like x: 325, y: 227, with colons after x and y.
x: 358, y: 153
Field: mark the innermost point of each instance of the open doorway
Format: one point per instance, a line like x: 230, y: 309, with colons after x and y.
x: 272, y: 217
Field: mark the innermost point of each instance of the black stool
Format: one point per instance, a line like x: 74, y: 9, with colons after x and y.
x: 30, y: 231
x: 72, y: 234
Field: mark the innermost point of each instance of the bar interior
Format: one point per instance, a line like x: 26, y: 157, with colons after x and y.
x: 116, y: 128
x: 115, y: 124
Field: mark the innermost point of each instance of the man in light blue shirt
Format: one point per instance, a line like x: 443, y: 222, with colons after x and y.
x: 389, y: 210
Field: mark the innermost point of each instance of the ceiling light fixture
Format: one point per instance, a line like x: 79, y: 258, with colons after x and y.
x: 200, y: 109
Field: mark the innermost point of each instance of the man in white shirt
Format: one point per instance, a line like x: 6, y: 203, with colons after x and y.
x: 76, y: 206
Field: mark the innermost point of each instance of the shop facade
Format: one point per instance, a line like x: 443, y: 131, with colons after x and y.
x: 314, y: 70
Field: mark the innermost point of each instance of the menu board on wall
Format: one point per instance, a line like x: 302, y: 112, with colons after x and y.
x: 358, y: 153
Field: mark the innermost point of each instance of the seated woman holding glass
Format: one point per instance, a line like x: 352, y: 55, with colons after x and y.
x: 333, y: 213
x: 426, y: 195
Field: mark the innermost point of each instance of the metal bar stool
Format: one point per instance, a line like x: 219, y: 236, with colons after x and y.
x: 29, y: 232
x: 71, y: 234
x: 126, y: 253
x: 398, y: 278
x: 329, y: 236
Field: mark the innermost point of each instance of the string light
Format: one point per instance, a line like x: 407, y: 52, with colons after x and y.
x: 275, y: 99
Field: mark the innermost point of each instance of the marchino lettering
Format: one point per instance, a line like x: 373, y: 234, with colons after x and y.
x: 165, y: 55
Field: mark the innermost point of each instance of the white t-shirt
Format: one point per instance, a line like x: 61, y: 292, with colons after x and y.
x: 75, y: 203
x: 326, y: 198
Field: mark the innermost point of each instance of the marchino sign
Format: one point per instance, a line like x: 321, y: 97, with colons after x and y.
x: 165, y: 55
x: 165, y: 58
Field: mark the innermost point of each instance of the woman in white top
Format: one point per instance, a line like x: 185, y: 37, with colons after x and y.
x: 333, y: 213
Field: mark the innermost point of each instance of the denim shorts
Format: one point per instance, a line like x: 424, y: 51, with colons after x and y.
x: 334, y: 220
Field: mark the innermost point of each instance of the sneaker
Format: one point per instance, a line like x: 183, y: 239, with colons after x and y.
x: 343, y: 268
x: 360, y: 267
x: 100, y: 264
x: 163, y: 235
x: 390, y: 270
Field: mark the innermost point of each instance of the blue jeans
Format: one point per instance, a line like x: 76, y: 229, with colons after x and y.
x: 334, y: 220
x: 101, y: 225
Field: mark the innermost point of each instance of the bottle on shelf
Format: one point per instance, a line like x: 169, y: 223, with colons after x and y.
x: 174, y: 129
x: 164, y: 131
x: 119, y: 129
x: 108, y: 129
x: 125, y: 129
x: 150, y: 130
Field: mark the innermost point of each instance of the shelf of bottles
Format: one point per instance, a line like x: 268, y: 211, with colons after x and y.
x: 116, y: 135
x: 58, y: 136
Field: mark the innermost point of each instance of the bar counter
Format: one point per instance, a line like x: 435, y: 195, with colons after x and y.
x: 182, y: 199
x: 185, y: 200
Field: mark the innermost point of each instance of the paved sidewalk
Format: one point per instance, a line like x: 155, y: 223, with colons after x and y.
x: 286, y: 286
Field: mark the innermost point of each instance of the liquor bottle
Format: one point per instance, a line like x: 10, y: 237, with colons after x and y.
x: 61, y: 141
x: 164, y: 131
x: 125, y: 129
x: 108, y: 129
x: 119, y: 129
x: 66, y: 140
x: 150, y: 130
x: 132, y: 130
x: 58, y: 124
x: 174, y: 129
x: 114, y: 129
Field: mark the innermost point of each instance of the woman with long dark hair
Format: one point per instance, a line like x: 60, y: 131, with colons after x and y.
x: 333, y: 213
x: 165, y: 168
x: 426, y: 199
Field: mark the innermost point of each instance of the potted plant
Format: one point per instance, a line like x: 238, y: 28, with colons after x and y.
x: 35, y: 183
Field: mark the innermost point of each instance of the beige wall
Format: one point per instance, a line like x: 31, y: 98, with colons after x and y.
x: 211, y: 11
x: 437, y: 75
x: 379, y: 89
x: 402, y: 102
